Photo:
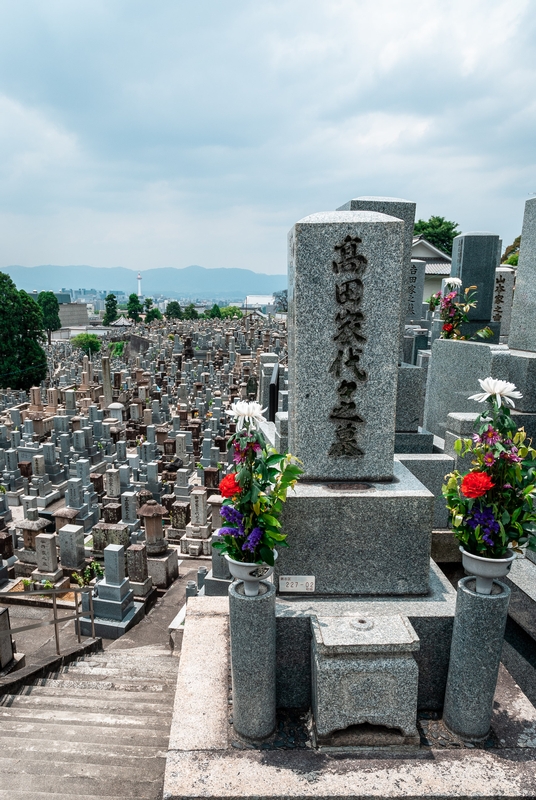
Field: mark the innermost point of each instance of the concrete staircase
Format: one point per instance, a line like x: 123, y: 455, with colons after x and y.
x: 99, y: 728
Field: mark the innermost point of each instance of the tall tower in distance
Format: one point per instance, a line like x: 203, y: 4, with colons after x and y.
x: 139, y: 284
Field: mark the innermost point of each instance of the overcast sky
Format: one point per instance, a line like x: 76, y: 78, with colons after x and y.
x: 148, y: 133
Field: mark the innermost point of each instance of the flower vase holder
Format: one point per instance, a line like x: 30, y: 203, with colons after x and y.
x: 477, y: 640
x: 252, y: 627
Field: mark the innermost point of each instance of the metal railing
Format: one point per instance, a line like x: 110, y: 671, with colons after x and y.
x: 56, y: 621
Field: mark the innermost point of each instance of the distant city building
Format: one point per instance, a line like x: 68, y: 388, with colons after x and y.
x: 260, y: 302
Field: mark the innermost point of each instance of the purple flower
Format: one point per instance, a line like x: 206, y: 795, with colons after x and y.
x: 253, y: 539
x: 488, y: 524
x: 507, y: 486
x: 490, y: 436
x: 231, y: 514
x: 231, y: 532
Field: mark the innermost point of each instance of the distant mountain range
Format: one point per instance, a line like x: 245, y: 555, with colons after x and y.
x: 191, y: 282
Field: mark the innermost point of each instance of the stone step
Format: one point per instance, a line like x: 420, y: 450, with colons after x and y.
x: 128, y: 672
x: 151, y: 770
x: 80, y: 716
x: 9, y: 794
x: 93, y: 685
x: 157, y: 699
x: 75, y: 779
x: 108, y: 704
x: 162, y: 662
x: 76, y: 730
x: 64, y: 750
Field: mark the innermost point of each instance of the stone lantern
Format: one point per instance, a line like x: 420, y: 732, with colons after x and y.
x: 151, y: 515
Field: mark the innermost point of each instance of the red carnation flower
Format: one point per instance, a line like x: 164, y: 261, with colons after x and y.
x: 448, y: 327
x: 229, y: 486
x: 475, y: 484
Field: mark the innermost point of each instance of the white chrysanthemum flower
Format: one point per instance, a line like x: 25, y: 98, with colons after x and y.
x: 501, y: 389
x: 247, y: 413
x: 453, y: 282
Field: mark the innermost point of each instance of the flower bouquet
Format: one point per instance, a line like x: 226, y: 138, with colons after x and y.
x: 254, y: 491
x: 492, y: 506
x: 453, y: 312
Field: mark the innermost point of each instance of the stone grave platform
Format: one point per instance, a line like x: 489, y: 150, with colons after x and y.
x: 205, y: 757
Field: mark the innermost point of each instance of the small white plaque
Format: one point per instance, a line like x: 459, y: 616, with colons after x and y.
x: 296, y: 583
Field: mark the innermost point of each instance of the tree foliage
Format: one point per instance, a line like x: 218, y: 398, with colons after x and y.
x: 134, y: 307
x: 173, y: 310
x: 23, y: 361
x: 190, y: 312
x: 214, y: 312
x: 88, y: 342
x: 511, y: 254
x: 110, y: 314
x: 50, y: 308
x: 152, y: 314
x: 148, y: 303
x: 438, y: 231
x: 228, y: 312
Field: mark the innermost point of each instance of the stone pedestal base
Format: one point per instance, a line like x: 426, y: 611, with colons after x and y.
x: 195, y: 547
x: 53, y: 577
x: 141, y: 590
x: 381, y: 533
x: 111, y: 628
x: 364, y: 672
x: 164, y: 569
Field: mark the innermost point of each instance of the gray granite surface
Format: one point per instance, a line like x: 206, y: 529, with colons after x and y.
x: 375, y: 541
x: 453, y: 377
x: 477, y: 641
x: 475, y: 257
x: 342, y: 402
x: 253, y: 660
x: 364, y: 683
x: 404, y: 210
x: 523, y: 321
x: 430, y: 469
x: 431, y: 617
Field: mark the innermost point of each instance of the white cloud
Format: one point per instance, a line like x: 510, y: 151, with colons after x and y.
x: 171, y: 133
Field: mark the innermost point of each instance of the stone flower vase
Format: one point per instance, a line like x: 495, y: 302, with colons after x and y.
x: 250, y: 573
x: 486, y: 569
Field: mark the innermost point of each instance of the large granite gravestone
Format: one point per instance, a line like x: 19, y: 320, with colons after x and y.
x: 358, y: 522
x: 475, y: 257
x: 343, y: 373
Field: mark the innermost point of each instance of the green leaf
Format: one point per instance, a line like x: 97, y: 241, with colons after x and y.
x: 267, y: 555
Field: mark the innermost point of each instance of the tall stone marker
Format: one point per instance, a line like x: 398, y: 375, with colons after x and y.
x: 404, y: 210
x: 345, y: 279
x: 475, y: 258
x: 523, y: 321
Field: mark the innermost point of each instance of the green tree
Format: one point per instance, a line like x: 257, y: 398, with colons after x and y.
x: 228, y: 312
x: 134, y: 307
x: 152, y: 314
x: 511, y: 254
x: 148, y: 303
x: 214, y: 313
x: 173, y: 310
x: 48, y: 303
x: 190, y: 312
x: 88, y: 342
x: 110, y: 314
x: 438, y: 231
x: 23, y: 362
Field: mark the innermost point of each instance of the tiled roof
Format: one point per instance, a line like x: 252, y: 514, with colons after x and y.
x: 436, y: 266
